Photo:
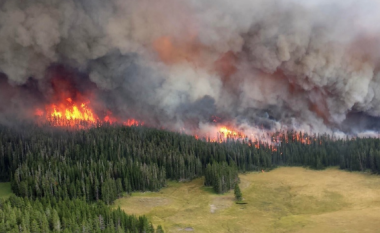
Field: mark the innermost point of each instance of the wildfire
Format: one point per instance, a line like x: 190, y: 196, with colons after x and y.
x: 259, y: 139
x: 71, y: 105
x: 133, y: 122
x: 225, y: 133
x: 71, y: 111
x: 70, y: 114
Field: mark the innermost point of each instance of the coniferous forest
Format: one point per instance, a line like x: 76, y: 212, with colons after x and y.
x: 55, y: 172
x: 50, y: 215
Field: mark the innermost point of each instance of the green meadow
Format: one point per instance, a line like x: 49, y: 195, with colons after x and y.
x: 287, y: 199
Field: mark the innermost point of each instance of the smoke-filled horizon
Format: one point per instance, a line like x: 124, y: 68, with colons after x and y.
x: 272, y: 64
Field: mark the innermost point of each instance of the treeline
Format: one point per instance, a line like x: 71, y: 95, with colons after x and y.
x: 222, y: 177
x: 321, y: 151
x: 91, y: 180
x: 68, y: 216
x: 102, y: 163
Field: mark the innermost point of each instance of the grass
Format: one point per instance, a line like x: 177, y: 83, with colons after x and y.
x: 287, y: 199
x: 5, y: 190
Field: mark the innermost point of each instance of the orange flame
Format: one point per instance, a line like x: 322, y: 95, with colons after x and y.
x: 70, y: 114
x: 38, y: 112
x: 228, y: 133
x: 133, y: 122
x: 72, y: 111
x: 225, y: 134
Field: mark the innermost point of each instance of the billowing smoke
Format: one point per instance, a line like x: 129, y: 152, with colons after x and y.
x: 262, y: 63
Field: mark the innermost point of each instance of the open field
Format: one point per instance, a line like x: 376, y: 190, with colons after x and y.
x: 5, y: 190
x: 287, y: 199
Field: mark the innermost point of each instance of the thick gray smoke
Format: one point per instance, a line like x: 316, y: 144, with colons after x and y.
x: 267, y: 63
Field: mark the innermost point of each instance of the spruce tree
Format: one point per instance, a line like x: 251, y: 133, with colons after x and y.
x: 34, y: 228
x: 159, y: 229
x: 237, y: 192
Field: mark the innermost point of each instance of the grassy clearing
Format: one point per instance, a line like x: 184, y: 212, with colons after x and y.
x: 5, y: 190
x: 287, y: 199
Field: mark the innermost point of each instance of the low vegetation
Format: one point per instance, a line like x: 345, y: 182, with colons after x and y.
x: 287, y: 199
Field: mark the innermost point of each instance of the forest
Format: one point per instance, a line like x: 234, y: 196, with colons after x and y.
x: 19, y: 214
x: 50, y: 167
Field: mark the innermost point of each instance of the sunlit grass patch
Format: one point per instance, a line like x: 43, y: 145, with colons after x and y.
x: 287, y: 199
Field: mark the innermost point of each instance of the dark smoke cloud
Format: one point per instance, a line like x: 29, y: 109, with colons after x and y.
x: 268, y: 63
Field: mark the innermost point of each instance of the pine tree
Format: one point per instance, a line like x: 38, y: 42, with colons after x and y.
x: 34, y: 228
x: 55, y: 221
x: 44, y: 224
x: 159, y: 229
x: 2, y: 227
x: 237, y: 192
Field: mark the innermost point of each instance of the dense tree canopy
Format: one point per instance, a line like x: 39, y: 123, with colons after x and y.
x: 66, y: 178
x: 102, y: 163
x: 48, y: 215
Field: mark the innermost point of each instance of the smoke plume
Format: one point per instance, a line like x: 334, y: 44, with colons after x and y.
x: 272, y: 64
